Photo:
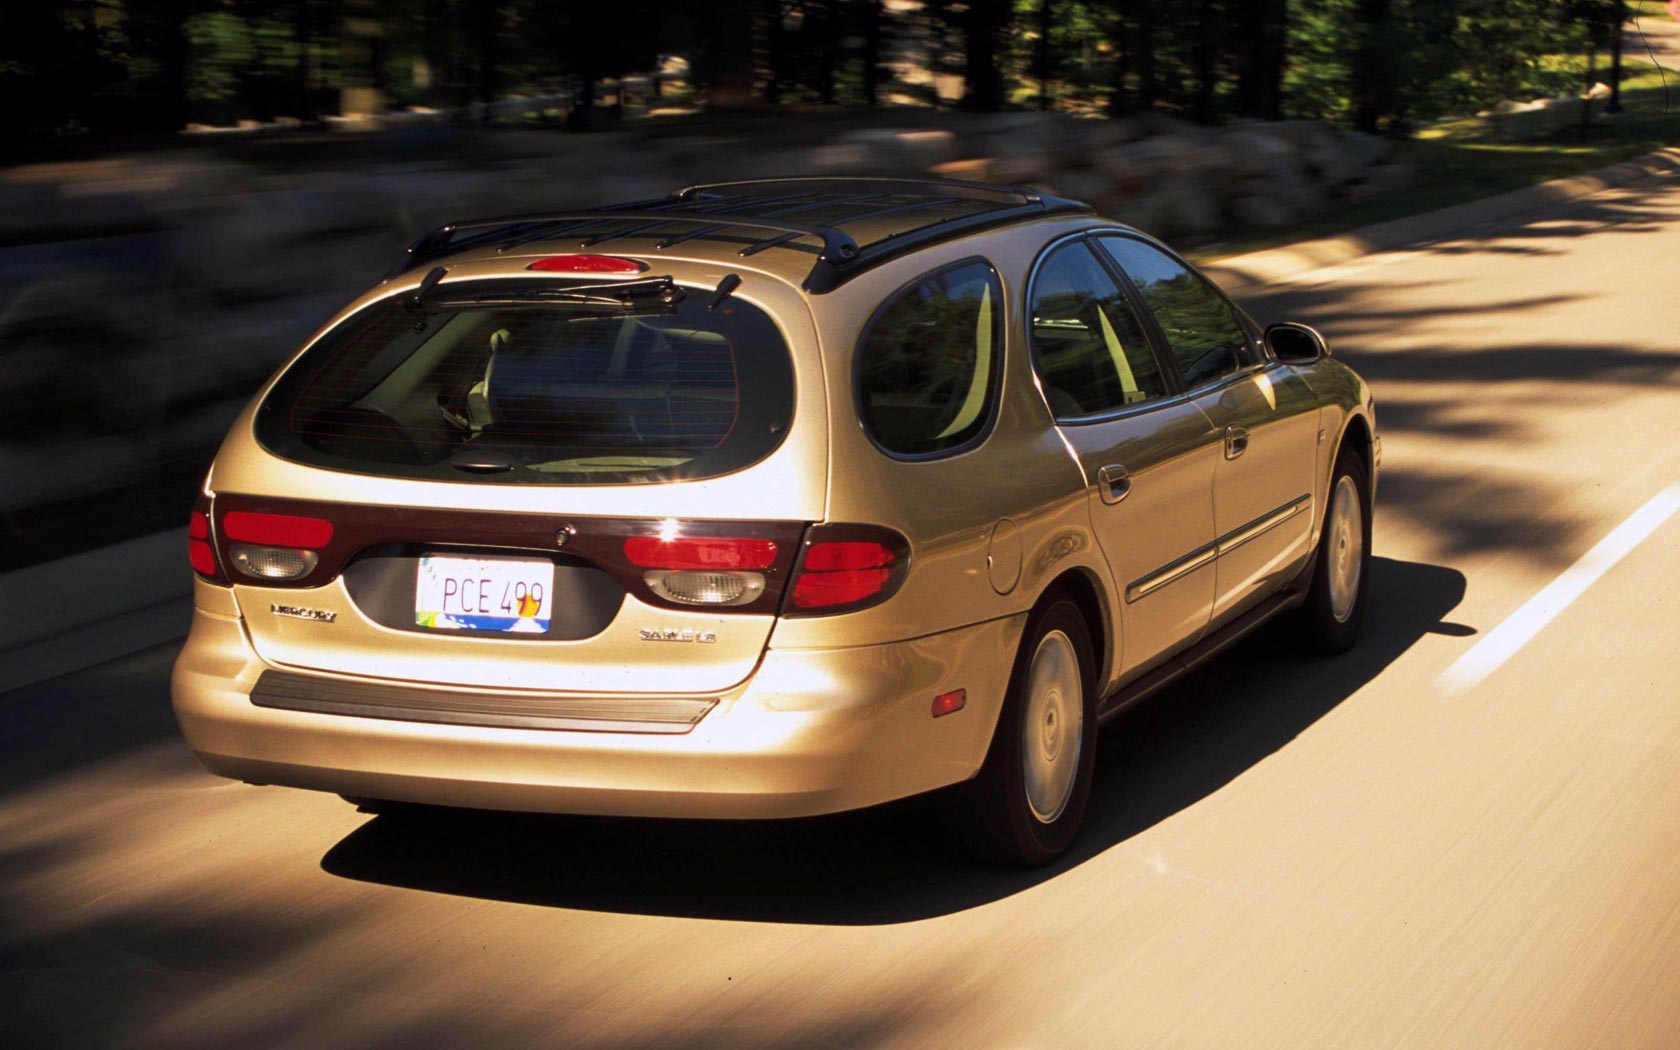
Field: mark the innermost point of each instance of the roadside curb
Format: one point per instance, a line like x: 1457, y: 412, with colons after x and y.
x: 1242, y: 273
x: 65, y: 615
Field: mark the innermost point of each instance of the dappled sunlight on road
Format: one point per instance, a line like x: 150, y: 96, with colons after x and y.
x: 1493, y: 362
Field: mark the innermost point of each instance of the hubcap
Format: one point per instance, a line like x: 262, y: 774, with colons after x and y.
x: 1346, y: 537
x: 1054, y: 729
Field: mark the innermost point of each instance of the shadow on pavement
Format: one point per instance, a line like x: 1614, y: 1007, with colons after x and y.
x: 892, y: 864
x: 80, y: 719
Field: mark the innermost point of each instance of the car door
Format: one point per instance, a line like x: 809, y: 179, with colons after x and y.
x: 1148, y: 453
x: 1264, y: 412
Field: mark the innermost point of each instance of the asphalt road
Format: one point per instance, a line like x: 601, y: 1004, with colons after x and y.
x: 1283, y: 852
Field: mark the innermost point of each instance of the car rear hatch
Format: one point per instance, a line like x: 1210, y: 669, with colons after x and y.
x: 553, y: 486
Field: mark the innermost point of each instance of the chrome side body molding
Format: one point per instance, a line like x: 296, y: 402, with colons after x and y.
x: 1208, y: 552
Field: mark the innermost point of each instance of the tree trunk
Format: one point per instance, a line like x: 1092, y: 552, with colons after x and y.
x: 1119, y: 102
x: 871, y: 52
x: 487, y: 83
x: 176, y: 105
x: 1261, y: 53
x: 982, y: 82
x: 1372, y: 81
x: 1041, y: 57
x: 1147, y: 88
x: 726, y: 52
x: 1592, y: 74
x: 826, y: 30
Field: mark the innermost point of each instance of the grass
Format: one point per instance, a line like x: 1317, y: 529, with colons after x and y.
x: 1459, y: 161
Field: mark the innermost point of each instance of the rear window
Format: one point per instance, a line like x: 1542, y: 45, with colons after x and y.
x: 480, y: 388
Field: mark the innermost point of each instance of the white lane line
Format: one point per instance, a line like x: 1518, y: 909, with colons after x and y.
x: 1501, y: 643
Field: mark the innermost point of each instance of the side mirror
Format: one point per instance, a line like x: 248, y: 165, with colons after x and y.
x: 1296, y: 343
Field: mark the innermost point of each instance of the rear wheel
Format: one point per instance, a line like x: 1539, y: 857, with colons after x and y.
x: 1028, y: 803
x: 1335, y: 608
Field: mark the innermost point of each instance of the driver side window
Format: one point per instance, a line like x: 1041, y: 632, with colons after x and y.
x: 1202, y: 329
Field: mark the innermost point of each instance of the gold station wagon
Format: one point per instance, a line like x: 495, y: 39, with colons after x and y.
x: 766, y: 499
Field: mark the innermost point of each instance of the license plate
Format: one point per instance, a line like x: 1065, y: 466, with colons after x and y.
x: 484, y: 594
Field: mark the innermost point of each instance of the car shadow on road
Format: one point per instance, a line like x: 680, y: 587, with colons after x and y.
x: 894, y: 863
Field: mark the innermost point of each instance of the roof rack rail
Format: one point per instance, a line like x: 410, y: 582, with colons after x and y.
x: 710, y: 208
x: 879, y: 184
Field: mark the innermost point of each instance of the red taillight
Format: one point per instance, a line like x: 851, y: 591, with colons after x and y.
x: 847, y: 567
x: 949, y: 703
x: 703, y: 570
x: 587, y: 264
x: 848, y: 556
x: 277, y: 530
x: 199, y: 552
x: 651, y: 552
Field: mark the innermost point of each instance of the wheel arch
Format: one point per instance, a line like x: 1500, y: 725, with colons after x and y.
x: 1081, y: 587
x: 1356, y: 437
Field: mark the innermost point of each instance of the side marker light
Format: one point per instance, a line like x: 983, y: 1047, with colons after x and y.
x: 947, y: 703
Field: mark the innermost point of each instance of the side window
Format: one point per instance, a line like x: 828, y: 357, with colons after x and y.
x: 1089, y: 351
x: 928, y: 365
x: 1207, y: 339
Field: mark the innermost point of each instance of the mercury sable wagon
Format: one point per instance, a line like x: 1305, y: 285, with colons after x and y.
x: 765, y: 499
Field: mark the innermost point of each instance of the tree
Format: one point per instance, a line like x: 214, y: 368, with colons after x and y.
x: 726, y: 35
x: 1262, y: 44
x: 1372, y: 84
x: 982, y: 79
x: 869, y: 12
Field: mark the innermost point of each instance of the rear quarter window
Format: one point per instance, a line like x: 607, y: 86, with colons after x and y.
x: 928, y: 362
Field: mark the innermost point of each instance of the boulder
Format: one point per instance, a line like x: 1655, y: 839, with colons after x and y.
x: 840, y: 158
x: 1106, y: 134
x: 1263, y: 213
x: 973, y: 169
x: 1024, y: 165
x: 1186, y: 209
x: 1256, y: 150
x: 1084, y: 184
x: 896, y: 150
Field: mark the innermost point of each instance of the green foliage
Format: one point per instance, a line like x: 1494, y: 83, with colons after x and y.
x: 140, y: 65
x: 1447, y: 58
x: 1321, y: 46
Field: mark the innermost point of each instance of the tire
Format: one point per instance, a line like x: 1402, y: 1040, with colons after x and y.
x: 1334, y: 612
x: 1028, y: 803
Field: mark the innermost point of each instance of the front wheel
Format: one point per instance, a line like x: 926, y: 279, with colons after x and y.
x: 1028, y: 802
x: 1335, y: 607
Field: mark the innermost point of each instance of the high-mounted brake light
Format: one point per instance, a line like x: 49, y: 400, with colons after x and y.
x: 848, y: 567
x: 277, y: 530
x: 587, y: 264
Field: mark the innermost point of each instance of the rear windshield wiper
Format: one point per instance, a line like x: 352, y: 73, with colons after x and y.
x: 659, y: 293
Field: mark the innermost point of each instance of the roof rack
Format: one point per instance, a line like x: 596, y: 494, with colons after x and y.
x: 854, y: 183
x: 709, y: 209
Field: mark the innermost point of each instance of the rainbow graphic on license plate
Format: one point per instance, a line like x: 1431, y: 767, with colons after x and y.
x: 510, y: 595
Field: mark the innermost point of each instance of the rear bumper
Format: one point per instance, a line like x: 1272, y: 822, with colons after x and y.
x: 812, y: 731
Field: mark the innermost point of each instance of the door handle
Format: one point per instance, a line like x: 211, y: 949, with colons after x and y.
x: 1236, y: 441
x: 1114, y: 482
